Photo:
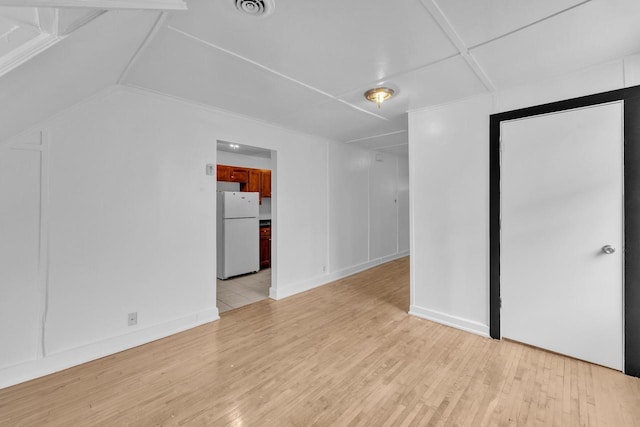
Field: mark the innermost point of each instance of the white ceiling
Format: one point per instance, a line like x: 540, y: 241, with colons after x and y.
x: 307, y: 65
x: 88, y: 60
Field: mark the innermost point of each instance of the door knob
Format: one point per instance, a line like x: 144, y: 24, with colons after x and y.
x: 608, y: 249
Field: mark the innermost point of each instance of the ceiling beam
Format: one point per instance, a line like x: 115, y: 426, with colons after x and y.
x: 155, y: 28
x: 101, y: 4
x: 26, y: 51
x: 79, y: 22
x: 446, y: 26
x: 376, y: 136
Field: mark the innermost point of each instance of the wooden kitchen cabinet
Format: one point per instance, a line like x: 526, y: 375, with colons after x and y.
x: 239, y: 175
x: 265, y: 247
x: 254, y: 181
x: 223, y: 173
x: 232, y: 174
x: 265, y: 178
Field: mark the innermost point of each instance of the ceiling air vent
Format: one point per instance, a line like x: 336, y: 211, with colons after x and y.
x: 258, y: 8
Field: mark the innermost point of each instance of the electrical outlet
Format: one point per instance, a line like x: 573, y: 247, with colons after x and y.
x: 132, y: 318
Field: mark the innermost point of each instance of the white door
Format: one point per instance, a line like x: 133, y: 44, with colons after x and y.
x: 561, y: 203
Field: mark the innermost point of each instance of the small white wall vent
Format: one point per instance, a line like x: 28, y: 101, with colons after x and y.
x: 258, y: 8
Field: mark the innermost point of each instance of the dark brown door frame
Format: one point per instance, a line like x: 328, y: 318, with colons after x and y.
x: 631, y: 273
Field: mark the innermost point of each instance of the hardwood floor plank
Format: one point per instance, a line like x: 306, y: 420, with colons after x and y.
x: 343, y: 354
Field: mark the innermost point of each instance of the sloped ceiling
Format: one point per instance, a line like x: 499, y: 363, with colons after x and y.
x: 78, y: 66
x: 307, y: 64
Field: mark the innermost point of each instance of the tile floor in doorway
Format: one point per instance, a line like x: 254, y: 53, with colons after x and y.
x: 242, y: 290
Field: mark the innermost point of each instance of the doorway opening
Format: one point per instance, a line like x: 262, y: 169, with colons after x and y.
x: 244, y: 221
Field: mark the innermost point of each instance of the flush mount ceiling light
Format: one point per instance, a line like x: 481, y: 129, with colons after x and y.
x: 256, y: 8
x: 234, y: 146
x: 379, y: 95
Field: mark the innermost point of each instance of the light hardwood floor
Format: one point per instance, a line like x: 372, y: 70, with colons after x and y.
x: 344, y: 354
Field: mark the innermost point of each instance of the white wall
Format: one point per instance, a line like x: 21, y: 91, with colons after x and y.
x: 132, y: 220
x: 383, y: 198
x: 449, y: 156
x: 404, y: 235
x: 348, y: 206
x: 128, y: 216
x: 20, y: 287
x: 365, y: 208
x: 449, y: 188
x: 125, y: 225
x: 228, y: 186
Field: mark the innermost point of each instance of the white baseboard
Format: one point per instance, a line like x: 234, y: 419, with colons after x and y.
x: 449, y: 320
x: 32, y: 369
x: 296, y: 288
x: 26, y: 371
x: 286, y: 291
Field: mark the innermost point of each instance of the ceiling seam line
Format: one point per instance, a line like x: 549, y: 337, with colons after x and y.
x: 361, y: 109
x: 272, y: 71
x: 386, y: 147
x: 155, y: 29
x: 399, y: 73
x: 257, y: 64
x: 145, y: 91
x: 9, y: 32
x: 441, y: 19
x: 376, y: 136
x: 524, y: 27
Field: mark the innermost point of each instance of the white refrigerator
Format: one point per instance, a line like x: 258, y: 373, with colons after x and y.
x: 238, y: 233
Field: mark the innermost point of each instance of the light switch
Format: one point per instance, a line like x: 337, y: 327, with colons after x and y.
x: 211, y: 169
